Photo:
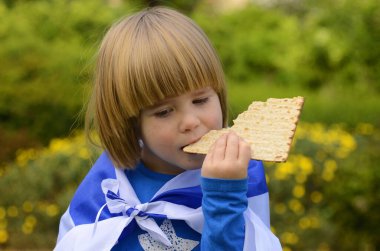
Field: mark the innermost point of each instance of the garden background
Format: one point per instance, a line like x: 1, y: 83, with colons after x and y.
x: 325, y: 197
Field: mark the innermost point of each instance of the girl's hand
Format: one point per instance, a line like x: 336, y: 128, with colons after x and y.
x: 228, y: 158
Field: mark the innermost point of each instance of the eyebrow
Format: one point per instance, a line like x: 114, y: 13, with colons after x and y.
x: 202, y: 91
x: 168, y: 99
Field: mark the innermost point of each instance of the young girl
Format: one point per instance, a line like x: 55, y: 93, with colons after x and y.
x: 159, y: 86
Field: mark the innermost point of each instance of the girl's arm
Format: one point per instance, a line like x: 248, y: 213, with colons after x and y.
x: 224, y: 202
x: 224, y: 186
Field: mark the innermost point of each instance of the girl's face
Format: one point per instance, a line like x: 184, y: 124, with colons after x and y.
x: 173, y: 123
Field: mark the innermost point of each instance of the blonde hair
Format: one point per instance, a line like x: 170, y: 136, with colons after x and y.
x: 142, y: 59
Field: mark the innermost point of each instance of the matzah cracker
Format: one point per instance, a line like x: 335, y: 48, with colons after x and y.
x: 268, y: 127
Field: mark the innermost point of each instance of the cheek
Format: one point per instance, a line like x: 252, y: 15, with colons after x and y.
x: 219, y: 124
x: 215, y: 113
x: 155, y: 134
x: 215, y: 119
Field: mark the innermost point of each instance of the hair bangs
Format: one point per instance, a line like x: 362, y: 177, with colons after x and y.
x: 168, y: 62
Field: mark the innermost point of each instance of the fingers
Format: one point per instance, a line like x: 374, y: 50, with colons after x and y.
x: 229, y: 146
x: 244, y: 149
x: 232, y: 147
x: 220, y: 147
x: 227, y: 158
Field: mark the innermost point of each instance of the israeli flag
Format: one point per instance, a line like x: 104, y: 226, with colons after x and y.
x: 105, y: 204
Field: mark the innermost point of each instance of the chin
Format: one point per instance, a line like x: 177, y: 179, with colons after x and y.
x: 193, y: 167
x: 194, y: 163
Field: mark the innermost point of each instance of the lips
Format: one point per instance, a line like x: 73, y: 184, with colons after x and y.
x: 191, y: 142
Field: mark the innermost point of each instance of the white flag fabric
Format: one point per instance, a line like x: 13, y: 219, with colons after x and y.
x: 105, y: 204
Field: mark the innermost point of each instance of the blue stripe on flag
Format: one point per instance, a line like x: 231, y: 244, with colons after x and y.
x: 257, y: 184
x: 89, y: 196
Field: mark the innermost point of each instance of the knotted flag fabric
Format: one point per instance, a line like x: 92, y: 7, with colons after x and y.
x: 105, y: 205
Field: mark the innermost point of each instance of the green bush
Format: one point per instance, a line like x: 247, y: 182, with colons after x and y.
x: 256, y: 44
x: 326, y: 196
x: 46, y: 62
x: 36, y: 190
x: 328, y: 43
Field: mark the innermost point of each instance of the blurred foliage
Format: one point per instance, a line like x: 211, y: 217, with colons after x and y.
x: 39, y: 185
x: 45, y: 64
x: 185, y: 6
x: 328, y: 43
x: 325, y: 197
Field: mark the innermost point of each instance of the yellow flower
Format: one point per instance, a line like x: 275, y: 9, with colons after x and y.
x: 306, y: 164
x: 347, y: 141
x: 84, y: 153
x: 301, y: 178
x: 323, y: 247
x: 60, y: 146
x: 3, y: 213
x: 24, y: 156
x: 289, y: 238
x: 26, y: 229
x: 329, y: 169
x: 12, y: 211
x: 333, y: 140
x: 284, y: 170
x: 304, y: 223
x: 298, y: 191
x: 3, y: 224
x: 27, y: 206
x: 280, y: 208
x: 31, y: 220
x: 301, y: 131
x: 52, y: 210
x: 273, y: 229
x: 296, y: 206
x: 365, y: 128
x: 29, y: 224
x: 316, y: 133
x: 347, y: 145
x: 316, y: 197
x: 314, y: 222
x: 3, y: 236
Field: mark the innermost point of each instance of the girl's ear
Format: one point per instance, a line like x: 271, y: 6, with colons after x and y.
x: 137, y: 129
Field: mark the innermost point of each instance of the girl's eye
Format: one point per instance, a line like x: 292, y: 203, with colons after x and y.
x: 163, y: 113
x: 200, y: 101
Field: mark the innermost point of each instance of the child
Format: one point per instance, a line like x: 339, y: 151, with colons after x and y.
x: 159, y: 86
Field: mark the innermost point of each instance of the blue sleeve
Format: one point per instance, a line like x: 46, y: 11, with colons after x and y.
x: 223, y: 204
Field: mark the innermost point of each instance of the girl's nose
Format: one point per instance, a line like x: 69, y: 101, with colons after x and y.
x: 189, y: 122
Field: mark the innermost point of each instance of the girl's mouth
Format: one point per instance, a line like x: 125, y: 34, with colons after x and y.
x: 191, y: 142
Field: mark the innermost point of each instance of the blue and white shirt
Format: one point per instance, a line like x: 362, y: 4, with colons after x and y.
x: 143, y: 210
